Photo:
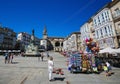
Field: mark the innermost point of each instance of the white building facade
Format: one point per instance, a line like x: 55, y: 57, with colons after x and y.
x: 25, y: 39
x: 115, y: 10
x: 104, y: 28
x: 71, y: 43
x: 85, y: 32
x: 65, y: 45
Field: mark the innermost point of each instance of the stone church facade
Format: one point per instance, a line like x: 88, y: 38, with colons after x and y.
x: 51, y: 43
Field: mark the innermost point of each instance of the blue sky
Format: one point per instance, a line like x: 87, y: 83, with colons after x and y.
x: 61, y: 17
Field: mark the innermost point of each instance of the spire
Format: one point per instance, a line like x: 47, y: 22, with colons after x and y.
x: 45, y: 30
x: 45, y: 33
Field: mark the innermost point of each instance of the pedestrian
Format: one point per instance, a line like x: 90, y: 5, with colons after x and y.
x: 47, y: 54
x: 106, y: 69
x: 42, y: 56
x: 50, y: 67
x: 6, y: 58
x: 11, y: 58
x: 39, y: 57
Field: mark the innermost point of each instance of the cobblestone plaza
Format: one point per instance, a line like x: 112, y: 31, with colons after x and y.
x: 28, y: 70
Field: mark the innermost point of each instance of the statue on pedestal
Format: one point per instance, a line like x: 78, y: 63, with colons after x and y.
x: 32, y: 49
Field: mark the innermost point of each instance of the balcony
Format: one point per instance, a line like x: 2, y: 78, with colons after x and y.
x: 118, y: 33
x: 116, y: 16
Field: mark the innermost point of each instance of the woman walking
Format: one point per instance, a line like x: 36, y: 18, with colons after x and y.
x: 11, y: 58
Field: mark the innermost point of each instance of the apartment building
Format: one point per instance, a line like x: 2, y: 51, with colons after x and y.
x: 104, y: 28
x: 7, y: 38
x: 87, y: 32
x: 72, y: 42
x: 106, y: 25
x: 115, y: 10
x: 25, y: 38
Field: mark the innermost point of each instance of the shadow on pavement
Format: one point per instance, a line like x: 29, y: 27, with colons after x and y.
x: 15, y: 62
x: 59, y: 78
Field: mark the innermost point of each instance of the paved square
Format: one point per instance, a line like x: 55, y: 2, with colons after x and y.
x: 28, y: 70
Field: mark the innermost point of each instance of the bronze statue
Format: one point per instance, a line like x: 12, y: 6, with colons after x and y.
x: 33, y: 32
x: 32, y: 37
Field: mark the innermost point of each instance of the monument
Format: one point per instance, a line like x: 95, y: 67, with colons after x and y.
x: 32, y: 49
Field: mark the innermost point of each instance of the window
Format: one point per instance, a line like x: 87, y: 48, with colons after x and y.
x: 105, y: 15
x: 108, y: 15
x: 101, y: 32
x: 117, y: 11
x: 108, y: 28
x: 102, y: 17
x: 97, y: 35
x: 98, y: 20
x: 95, y: 21
x: 111, y: 31
x: 105, y: 30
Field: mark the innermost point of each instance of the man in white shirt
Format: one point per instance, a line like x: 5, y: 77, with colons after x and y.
x: 50, y: 67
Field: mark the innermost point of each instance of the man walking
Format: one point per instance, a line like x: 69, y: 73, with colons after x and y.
x: 42, y: 56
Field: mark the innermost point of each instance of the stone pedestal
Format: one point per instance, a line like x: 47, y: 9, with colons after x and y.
x: 31, y: 50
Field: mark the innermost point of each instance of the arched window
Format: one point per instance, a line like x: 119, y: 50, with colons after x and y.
x: 57, y: 44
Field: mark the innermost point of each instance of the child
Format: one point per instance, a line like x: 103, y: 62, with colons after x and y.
x: 106, y: 70
x: 108, y: 65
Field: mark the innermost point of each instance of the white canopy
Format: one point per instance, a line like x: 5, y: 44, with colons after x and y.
x: 117, y: 50
x: 108, y: 50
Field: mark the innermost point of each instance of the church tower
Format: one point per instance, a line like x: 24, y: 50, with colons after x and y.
x: 44, y: 40
x: 45, y: 33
